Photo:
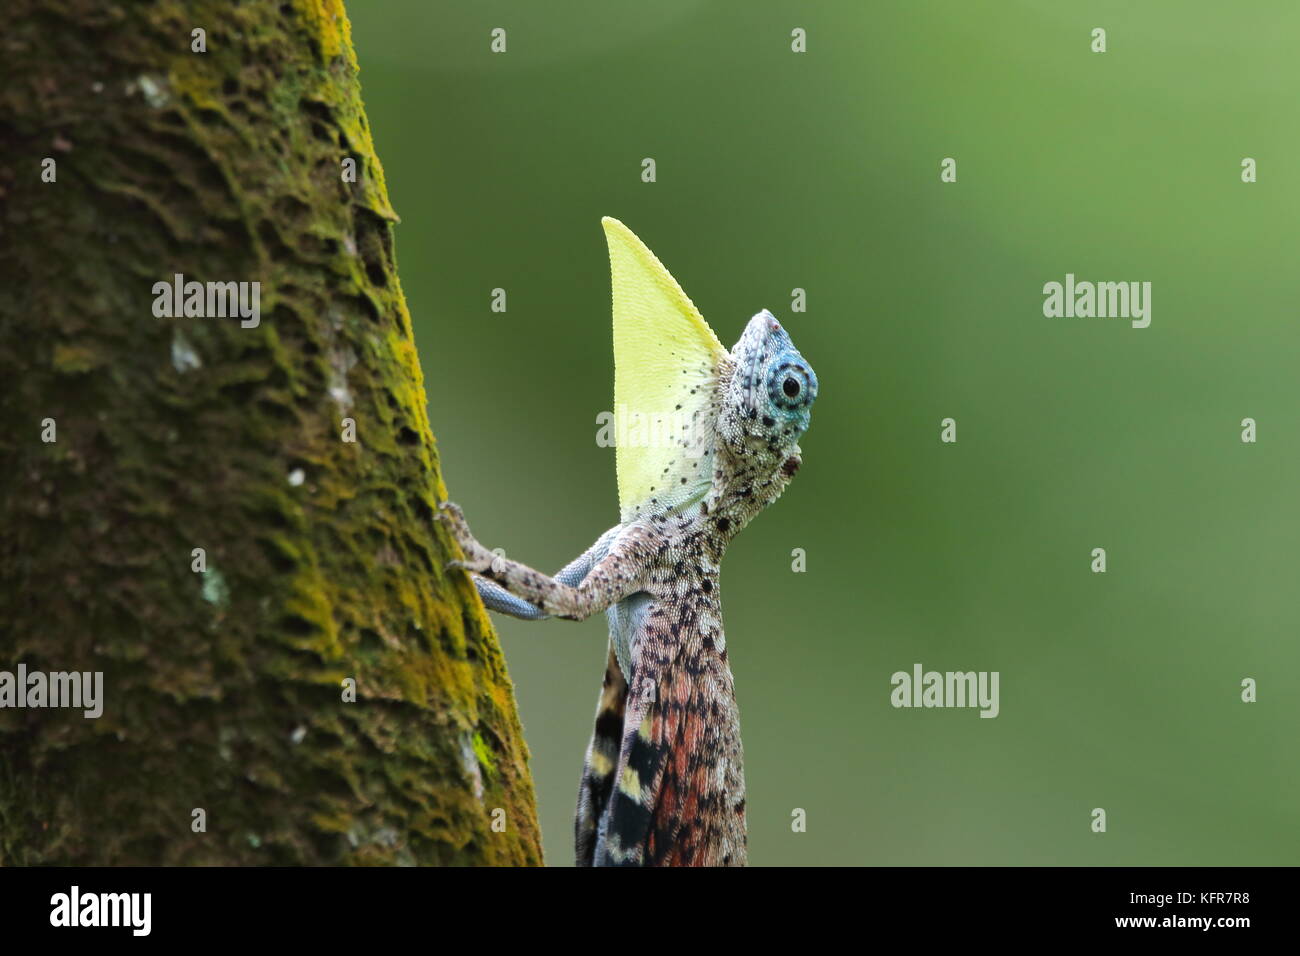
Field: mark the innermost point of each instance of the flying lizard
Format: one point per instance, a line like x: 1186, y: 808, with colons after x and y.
x: 663, y: 783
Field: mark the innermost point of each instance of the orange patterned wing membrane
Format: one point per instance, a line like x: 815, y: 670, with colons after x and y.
x: 680, y: 799
x: 699, y: 815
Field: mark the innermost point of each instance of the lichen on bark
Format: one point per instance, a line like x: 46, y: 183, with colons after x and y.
x: 223, y: 688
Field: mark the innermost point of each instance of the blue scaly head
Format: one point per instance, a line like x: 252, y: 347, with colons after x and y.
x: 768, y: 400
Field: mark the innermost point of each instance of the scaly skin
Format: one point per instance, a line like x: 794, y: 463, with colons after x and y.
x: 664, y: 780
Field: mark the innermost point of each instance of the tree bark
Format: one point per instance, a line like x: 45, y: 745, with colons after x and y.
x: 223, y: 690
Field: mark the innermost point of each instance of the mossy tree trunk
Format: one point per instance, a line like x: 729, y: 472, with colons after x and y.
x: 224, y: 689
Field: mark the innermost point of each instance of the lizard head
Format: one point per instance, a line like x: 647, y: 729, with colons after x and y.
x: 767, y: 402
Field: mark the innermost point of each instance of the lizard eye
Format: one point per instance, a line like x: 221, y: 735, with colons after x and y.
x: 791, y: 384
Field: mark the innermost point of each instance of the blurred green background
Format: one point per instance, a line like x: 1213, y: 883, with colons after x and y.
x: 820, y: 170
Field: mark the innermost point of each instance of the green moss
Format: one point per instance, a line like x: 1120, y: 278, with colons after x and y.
x: 484, y: 755
x: 73, y: 358
x: 330, y: 24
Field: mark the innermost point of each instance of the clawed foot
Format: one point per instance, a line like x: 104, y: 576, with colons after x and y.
x: 477, y: 557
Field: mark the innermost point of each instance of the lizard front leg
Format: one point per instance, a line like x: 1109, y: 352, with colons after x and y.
x: 620, y: 572
x: 496, y: 598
